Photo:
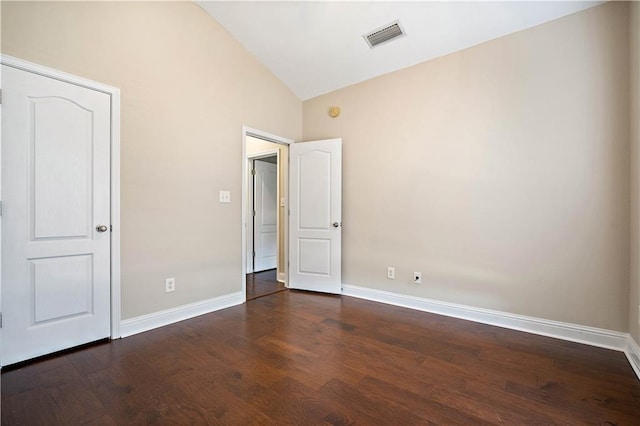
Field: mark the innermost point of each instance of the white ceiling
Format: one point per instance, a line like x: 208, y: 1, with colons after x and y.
x: 317, y: 47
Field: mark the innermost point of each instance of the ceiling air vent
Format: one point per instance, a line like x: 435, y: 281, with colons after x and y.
x: 384, y: 34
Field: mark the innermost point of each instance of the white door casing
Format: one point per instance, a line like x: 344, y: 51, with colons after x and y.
x: 315, y: 226
x: 266, y: 214
x: 248, y: 242
x: 56, y: 163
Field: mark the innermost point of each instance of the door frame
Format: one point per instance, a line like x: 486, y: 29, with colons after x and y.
x: 251, y: 201
x: 259, y: 134
x: 114, y: 94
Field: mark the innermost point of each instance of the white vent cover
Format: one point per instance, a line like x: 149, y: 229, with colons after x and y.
x: 384, y: 34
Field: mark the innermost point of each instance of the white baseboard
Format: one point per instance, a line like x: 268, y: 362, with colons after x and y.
x: 561, y: 330
x: 566, y: 331
x: 281, y: 277
x: 632, y: 351
x: 148, y: 322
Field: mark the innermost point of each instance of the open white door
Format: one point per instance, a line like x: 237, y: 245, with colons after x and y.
x: 265, y: 219
x: 315, y: 224
x: 56, y: 258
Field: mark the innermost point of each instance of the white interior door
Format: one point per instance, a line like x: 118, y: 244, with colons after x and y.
x: 250, y: 208
x: 56, y: 215
x: 265, y: 241
x: 315, y: 226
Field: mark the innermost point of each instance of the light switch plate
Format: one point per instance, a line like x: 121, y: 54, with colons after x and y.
x: 225, y: 196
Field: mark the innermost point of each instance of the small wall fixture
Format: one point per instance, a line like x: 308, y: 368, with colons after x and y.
x: 334, y: 111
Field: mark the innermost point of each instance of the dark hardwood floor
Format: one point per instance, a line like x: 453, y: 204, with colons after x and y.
x: 262, y: 284
x: 302, y: 358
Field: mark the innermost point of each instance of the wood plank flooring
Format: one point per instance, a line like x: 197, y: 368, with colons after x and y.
x: 262, y: 284
x: 306, y: 359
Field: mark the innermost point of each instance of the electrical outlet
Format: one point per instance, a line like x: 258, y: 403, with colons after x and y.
x: 417, y: 277
x: 224, y: 196
x: 391, y: 273
x: 170, y: 285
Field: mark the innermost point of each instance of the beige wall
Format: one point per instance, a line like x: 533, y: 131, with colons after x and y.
x: 255, y: 147
x: 500, y: 172
x: 187, y: 89
x: 634, y: 299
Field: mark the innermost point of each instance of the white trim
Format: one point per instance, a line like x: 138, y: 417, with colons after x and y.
x: 248, y: 131
x: 249, y: 223
x: 269, y: 137
x: 561, y: 330
x: 593, y: 336
x: 249, y: 227
x: 116, y: 301
x: 281, y: 277
x: 158, y: 319
x: 56, y: 74
x: 264, y: 154
x: 0, y: 217
x: 632, y: 351
x: 114, y: 94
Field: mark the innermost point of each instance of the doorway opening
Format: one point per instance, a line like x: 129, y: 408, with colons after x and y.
x: 264, y: 213
x: 264, y: 283
x: 262, y: 224
x: 262, y: 233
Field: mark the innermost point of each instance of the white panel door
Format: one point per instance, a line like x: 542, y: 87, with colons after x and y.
x: 265, y: 241
x: 56, y: 215
x: 315, y: 224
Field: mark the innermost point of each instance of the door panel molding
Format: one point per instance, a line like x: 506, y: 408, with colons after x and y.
x: 114, y: 171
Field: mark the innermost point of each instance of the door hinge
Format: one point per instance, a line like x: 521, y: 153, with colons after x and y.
x: 254, y: 213
x: 253, y: 254
x: 0, y: 96
x: 253, y: 172
x: 0, y: 208
x: 0, y: 319
x: 110, y: 228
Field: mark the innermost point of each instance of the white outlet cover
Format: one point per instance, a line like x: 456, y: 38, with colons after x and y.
x: 170, y: 285
x: 225, y: 196
x: 391, y: 273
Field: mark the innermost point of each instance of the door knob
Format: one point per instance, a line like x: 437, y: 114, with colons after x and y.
x: 336, y: 224
x: 102, y: 228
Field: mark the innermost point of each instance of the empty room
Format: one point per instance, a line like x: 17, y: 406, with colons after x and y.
x: 320, y: 212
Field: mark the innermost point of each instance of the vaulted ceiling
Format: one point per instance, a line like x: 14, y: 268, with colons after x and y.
x: 317, y: 47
